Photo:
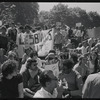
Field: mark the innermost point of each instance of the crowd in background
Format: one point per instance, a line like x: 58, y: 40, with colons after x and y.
x: 24, y: 76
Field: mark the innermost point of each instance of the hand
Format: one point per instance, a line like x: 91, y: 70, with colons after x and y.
x: 60, y: 88
x: 66, y: 92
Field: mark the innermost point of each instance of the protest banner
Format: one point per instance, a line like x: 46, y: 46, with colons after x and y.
x: 47, y: 43
x: 42, y: 41
x: 54, y: 68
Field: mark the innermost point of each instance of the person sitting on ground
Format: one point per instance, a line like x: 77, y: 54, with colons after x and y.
x: 30, y: 78
x: 26, y: 55
x: 82, y: 67
x: 11, y: 85
x: 73, y: 78
x: 50, y: 88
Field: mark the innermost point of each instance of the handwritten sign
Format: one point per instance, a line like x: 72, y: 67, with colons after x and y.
x: 54, y: 68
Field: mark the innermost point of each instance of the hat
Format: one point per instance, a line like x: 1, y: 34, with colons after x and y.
x: 50, y: 55
x: 31, y: 60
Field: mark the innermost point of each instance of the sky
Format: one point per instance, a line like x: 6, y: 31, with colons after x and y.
x: 89, y: 6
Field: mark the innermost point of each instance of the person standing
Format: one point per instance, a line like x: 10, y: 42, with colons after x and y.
x: 58, y: 40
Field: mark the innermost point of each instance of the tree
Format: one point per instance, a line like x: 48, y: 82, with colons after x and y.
x: 70, y: 16
x: 22, y: 12
x: 95, y: 19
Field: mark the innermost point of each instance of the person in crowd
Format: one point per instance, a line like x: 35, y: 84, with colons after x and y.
x: 26, y: 55
x: 79, y: 48
x: 3, y: 57
x: 52, y: 51
x: 30, y: 78
x: 93, y: 63
x: 14, y: 49
x: 73, y: 78
x: 74, y: 58
x: 11, y: 56
x: 34, y: 55
x: 90, y: 41
x: 12, y: 32
x: 96, y: 47
x: 11, y: 85
x: 91, y: 88
x: 20, y: 43
x: 69, y: 44
x: 84, y: 47
x: 70, y: 33
x: 28, y: 37
x: 75, y: 42
x: 50, y: 87
x: 58, y: 39
x: 95, y: 42
x: 79, y: 34
x: 62, y: 58
x: 3, y: 30
x: 50, y: 59
x: 4, y: 39
x: 82, y: 68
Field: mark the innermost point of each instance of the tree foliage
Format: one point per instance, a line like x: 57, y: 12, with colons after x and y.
x: 22, y: 12
x: 70, y: 16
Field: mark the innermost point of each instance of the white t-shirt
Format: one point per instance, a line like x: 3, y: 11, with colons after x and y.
x: 42, y: 93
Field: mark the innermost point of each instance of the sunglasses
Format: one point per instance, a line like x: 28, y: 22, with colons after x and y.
x: 51, y: 58
x: 34, y: 64
x: 54, y: 79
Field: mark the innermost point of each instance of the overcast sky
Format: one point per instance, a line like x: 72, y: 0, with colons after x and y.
x: 89, y: 6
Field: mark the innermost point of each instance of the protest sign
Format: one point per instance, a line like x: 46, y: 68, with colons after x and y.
x: 54, y: 68
x: 42, y: 41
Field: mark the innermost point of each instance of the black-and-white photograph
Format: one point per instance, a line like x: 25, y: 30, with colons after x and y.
x: 49, y: 50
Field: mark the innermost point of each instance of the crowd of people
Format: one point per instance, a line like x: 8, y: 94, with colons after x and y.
x: 23, y: 75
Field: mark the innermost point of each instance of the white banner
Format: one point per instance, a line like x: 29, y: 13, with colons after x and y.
x: 54, y: 68
x: 41, y: 40
x: 47, y: 43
